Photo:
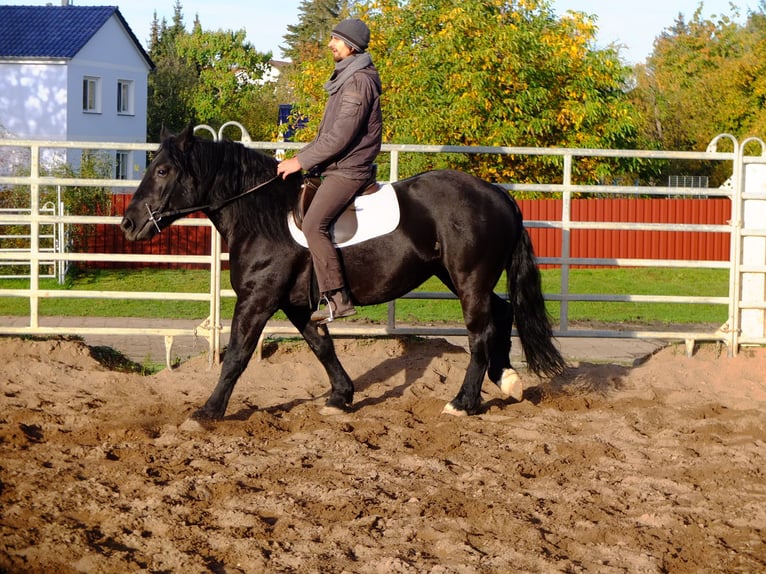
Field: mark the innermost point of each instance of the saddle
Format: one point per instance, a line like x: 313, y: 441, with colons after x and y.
x: 346, y: 224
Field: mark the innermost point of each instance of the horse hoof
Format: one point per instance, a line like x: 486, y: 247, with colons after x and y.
x: 449, y: 409
x: 203, y: 415
x: 511, y: 385
x: 330, y: 410
x: 191, y: 425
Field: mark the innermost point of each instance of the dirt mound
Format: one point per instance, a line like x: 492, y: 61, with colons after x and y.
x: 657, y: 468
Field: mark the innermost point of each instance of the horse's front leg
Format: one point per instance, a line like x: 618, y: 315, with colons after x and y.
x: 244, y: 338
x: 320, y: 342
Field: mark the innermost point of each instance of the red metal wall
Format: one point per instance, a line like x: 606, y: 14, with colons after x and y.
x: 608, y: 243
x: 175, y: 240
x: 591, y: 243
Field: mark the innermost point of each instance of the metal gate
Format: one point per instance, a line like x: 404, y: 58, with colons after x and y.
x: 17, y: 239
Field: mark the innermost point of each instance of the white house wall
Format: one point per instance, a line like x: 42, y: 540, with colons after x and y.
x: 111, y: 56
x: 123, y: 63
x: 33, y: 100
x: 33, y: 97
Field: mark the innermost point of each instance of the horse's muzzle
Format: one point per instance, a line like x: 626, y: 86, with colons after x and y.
x: 134, y: 232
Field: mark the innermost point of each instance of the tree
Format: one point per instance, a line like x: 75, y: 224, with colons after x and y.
x: 489, y: 72
x: 228, y: 70
x: 306, y: 45
x: 172, y: 80
x: 208, y: 77
x: 704, y: 77
x: 308, y: 38
x: 753, y: 72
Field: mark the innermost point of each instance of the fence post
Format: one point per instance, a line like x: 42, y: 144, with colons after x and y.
x: 753, y: 309
x: 566, y: 241
x: 34, y: 232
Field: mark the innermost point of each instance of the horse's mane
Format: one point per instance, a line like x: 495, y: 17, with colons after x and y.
x: 226, y: 169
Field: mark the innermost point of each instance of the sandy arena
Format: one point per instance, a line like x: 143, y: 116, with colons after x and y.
x: 610, y: 469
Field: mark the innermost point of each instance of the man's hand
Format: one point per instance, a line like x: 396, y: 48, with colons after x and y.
x: 288, y: 166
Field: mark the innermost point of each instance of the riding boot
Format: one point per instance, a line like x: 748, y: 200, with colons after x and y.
x: 337, y: 306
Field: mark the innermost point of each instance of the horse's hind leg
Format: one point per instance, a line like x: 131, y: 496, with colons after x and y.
x: 500, y: 370
x: 481, y: 332
x: 342, y: 392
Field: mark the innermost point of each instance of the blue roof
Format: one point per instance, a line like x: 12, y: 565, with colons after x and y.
x: 54, y: 31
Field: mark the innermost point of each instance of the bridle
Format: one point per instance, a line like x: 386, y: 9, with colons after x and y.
x: 156, y: 216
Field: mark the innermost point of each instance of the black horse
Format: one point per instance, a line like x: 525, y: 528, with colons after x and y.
x: 456, y: 227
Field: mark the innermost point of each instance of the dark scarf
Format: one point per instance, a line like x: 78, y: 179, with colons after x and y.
x: 345, y: 69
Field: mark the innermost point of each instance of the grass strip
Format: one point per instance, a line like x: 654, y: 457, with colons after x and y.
x: 623, y: 281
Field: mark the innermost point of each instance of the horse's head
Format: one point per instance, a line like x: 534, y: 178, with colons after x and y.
x: 168, y: 186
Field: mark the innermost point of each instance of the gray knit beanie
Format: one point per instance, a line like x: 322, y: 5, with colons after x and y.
x: 353, y: 32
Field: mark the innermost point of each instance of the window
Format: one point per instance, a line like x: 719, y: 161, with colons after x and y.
x: 124, y: 97
x: 91, y: 94
x: 122, y: 165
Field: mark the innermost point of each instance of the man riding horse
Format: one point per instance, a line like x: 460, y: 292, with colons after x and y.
x: 343, y: 152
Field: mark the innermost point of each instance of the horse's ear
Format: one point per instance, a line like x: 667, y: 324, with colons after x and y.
x: 185, y: 138
x: 164, y: 133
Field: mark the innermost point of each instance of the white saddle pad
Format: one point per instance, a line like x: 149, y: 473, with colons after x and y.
x: 377, y: 214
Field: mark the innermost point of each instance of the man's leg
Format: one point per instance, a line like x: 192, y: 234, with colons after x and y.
x: 330, y: 199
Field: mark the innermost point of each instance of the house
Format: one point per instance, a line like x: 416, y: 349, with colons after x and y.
x: 74, y: 73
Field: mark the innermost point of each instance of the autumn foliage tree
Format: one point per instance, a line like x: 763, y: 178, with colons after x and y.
x: 705, y: 76
x: 489, y: 72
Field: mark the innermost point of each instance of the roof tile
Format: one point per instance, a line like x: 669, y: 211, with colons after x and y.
x: 49, y: 31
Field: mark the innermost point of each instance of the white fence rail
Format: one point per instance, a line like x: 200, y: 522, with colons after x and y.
x: 747, y: 266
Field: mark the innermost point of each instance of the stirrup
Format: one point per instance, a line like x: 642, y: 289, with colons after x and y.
x: 332, y: 309
x: 329, y: 305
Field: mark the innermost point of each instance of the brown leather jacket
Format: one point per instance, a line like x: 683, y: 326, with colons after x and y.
x: 349, y: 136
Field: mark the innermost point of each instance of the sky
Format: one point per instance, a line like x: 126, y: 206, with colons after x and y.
x: 634, y: 25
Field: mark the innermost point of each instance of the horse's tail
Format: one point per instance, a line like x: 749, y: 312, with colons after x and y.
x: 532, y: 320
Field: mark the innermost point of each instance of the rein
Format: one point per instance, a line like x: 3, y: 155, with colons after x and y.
x: 155, y: 217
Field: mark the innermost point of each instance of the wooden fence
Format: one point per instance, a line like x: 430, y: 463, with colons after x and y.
x: 585, y: 243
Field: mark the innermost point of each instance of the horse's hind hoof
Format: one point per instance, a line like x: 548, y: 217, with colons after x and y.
x: 511, y: 385
x: 338, y: 403
x: 191, y: 425
x: 204, y: 415
x: 449, y: 409
x: 331, y: 410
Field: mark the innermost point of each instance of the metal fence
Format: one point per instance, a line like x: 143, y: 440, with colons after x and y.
x: 17, y: 238
x: 746, y: 266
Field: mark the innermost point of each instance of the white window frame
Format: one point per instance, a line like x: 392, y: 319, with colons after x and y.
x: 125, y: 98
x: 122, y: 162
x: 91, y: 95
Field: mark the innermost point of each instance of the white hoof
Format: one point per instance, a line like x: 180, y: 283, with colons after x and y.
x: 511, y: 385
x: 327, y: 411
x: 451, y: 410
x: 190, y: 425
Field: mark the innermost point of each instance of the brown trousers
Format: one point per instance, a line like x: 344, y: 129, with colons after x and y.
x: 332, y: 196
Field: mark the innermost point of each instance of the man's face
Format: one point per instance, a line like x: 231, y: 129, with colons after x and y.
x: 339, y: 49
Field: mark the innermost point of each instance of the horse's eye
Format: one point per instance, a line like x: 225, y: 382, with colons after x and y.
x: 162, y: 171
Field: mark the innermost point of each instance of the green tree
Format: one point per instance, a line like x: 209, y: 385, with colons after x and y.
x: 306, y: 46
x: 172, y: 81
x: 316, y: 18
x: 228, y: 71
x: 489, y: 72
x: 753, y: 76
x: 704, y: 77
x: 208, y: 77
x: 689, y: 75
